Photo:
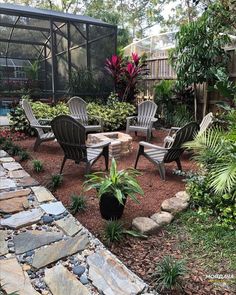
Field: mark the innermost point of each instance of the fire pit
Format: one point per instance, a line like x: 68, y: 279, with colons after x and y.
x: 121, y: 143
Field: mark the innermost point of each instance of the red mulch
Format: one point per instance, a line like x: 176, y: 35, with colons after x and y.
x: 139, y: 255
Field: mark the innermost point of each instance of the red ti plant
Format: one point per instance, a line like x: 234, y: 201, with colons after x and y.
x: 126, y: 73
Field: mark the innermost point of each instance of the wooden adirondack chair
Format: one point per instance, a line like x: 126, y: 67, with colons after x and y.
x: 143, y: 122
x: 71, y: 136
x: 34, y: 123
x: 206, y: 122
x: 161, y: 155
x: 78, y: 111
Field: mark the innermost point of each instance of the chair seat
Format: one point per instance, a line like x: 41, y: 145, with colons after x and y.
x: 156, y: 155
x: 48, y: 135
x: 92, y: 154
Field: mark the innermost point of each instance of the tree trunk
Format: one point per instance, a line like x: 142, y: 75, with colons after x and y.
x: 195, y: 101
x: 205, y: 99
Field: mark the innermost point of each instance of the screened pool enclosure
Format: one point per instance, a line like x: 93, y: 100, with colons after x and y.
x: 60, y: 52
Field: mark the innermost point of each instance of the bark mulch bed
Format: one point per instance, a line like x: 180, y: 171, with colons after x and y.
x: 139, y: 255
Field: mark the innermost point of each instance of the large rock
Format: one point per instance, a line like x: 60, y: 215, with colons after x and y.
x: 7, y: 183
x: 13, y: 279
x: 54, y: 208
x: 27, y: 181
x: 18, y: 174
x: 62, y: 282
x: 12, y: 166
x: 183, y: 195
x: 15, y: 194
x: 42, y: 194
x: 3, y: 243
x: 31, y: 240
x: 13, y: 205
x: 23, y: 218
x: 69, y: 225
x: 145, y: 225
x: 54, y: 252
x: 174, y: 205
x: 162, y: 218
x: 111, y: 277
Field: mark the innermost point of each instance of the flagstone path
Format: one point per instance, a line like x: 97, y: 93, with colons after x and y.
x: 45, y: 250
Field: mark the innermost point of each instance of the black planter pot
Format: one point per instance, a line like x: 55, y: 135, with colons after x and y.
x: 110, y: 207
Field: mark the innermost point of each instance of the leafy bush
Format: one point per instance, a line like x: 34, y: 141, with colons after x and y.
x: 54, y: 182
x: 37, y: 165
x: 78, y: 203
x: 23, y: 155
x: 114, y: 114
x: 168, y: 274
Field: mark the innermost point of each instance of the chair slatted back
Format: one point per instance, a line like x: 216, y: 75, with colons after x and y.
x: 78, y: 109
x: 30, y: 116
x: 183, y: 135
x: 146, y: 111
x: 70, y: 134
x: 206, y: 122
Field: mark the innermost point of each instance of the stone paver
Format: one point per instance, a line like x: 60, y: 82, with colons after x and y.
x: 183, y: 195
x: 174, y: 205
x: 13, y: 278
x: 27, y: 181
x: 7, y: 159
x: 69, y: 225
x: 14, y: 194
x: 42, y: 194
x: 145, y: 225
x: 11, y: 166
x: 22, y: 219
x: 14, y: 205
x: 7, y: 183
x: 162, y: 218
x: 62, y: 282
x: 18, y: 174
x: 111, y: 276
x: 54, y: 208
x: 3, y: 154
x: 3, y: 243
x: 31, y: 240
x: 54, y: 252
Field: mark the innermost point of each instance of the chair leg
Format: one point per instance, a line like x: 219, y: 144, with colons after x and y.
x: 106, y: 156
x: 62, y: 164
x: 37, y: 143
x: 140, y: 152
x: 148, y: 138
x: 136, y: 133
x: 179, y: 164
x: 162, y: 171
x: 88, y: 168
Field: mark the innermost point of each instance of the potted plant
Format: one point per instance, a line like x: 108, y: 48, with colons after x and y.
x: 113, y: 189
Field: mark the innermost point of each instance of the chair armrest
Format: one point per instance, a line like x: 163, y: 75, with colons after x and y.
x: 152, y: 146
x: 175, y: 128
x: 40, y: 126
x: 154, y: 120
x: 98, y: 145
x: 44, y: 120
x: 130, y: 118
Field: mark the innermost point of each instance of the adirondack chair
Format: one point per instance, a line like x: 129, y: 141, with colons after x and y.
x: 206, y: 122
x: 161, y: 155
x: 143, y: 122
x: 78, y: 111
x: 34, y: 123
x: 71, y: 136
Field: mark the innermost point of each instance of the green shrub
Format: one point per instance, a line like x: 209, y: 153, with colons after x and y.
x: 23, y: 155
x: 54, y: 182
x: 14, y: 150
x: 37, y: 165
x: 168, y: 274
x: 78, y: 203
x: 113, y: 231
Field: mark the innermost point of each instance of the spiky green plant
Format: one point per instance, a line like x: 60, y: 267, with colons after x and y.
x: 23, y: 155
x: 78, y: 203
x: 168, y: 274
x: 54, y: 182
x: 37, y: 165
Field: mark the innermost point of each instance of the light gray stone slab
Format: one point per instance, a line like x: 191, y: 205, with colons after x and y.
x: 22, y: 219
x: 18, y: 174
x: 14, y: 279
x: 7, y: 159
x: 6, y: 183
x: 54, y: 208
x: 3, y: 154
x: 3, y: 243
x: 15, y: 194
x: 69, y: 225
x: 174, y: 205
x: 162, y: 218
x: 58, y: 250
x: 61, y: 281
x: 110, y: 276
x: 42, y: 194
x: 145, y: 225
x: 31, y: 240
x: 12, y: 166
